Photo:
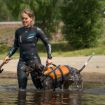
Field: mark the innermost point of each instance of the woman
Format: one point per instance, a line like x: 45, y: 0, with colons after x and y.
x: 26, y: 39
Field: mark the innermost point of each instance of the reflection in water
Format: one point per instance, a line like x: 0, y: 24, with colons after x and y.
x: 21, y: 98
x: 61, y: 98
x: 34, y: 97
x: 49, y: 98
x: 9, y: 95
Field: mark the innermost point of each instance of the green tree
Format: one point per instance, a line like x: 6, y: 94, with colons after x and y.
x: 4, y: 12
x: 46, y: 12
x: 102, y: 3
x: 16, y: 6
x: 82, y: 22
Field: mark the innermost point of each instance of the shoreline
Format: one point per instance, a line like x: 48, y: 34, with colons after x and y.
x: 87, y: 77
x: 96, y: 64
x: 94, y: 71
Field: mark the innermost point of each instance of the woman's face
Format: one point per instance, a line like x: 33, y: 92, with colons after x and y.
x: 26, y: 20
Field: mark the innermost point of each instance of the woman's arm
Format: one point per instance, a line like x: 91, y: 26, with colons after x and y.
x: 14, y: 47
x: 42, y: 36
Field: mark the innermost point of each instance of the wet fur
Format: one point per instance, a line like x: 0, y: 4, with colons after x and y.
x: 69, y: 79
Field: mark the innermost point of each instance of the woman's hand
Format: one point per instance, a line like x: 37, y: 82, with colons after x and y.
x: 49, y: 61
x: 7, y: 58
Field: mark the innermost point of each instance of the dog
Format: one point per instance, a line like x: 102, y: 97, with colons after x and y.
x: 63, y: 77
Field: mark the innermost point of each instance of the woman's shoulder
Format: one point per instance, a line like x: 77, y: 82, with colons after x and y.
x: 19, y: 30
x: 39, y: 30
x: 36, y: 28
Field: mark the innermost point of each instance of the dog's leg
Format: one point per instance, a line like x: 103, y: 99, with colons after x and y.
x: 62, y: 87
x: 77, y: 82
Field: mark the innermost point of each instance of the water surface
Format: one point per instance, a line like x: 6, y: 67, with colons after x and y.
x: 9, y: 95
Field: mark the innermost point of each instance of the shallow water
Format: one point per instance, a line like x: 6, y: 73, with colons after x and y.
x: 9, y: 95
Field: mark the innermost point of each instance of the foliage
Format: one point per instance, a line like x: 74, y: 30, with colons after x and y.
x: 46, y: 12
x: 4, y: 12
x: 59, y: 49
x: 102, y: 3
x: 81, y: 17
x: 82, y: 22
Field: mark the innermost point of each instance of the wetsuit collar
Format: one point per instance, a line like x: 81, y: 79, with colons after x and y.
x: 27, y: 27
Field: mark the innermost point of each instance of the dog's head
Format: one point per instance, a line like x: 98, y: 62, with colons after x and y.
x: 47, y: 82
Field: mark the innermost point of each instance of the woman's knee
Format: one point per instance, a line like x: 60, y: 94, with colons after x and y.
x: 21, y: 75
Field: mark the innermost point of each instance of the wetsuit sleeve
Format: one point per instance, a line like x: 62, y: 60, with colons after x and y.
x: 15, y: 46
x: 44, y: 39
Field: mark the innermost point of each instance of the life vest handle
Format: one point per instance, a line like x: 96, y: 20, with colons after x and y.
x: 51, y: 64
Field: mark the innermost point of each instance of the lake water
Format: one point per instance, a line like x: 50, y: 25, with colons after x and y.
x: 9, y: 95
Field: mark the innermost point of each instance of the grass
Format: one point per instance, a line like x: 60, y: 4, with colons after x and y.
x: 58, y: 48
x: 60, y: 51
x: 82, y: 52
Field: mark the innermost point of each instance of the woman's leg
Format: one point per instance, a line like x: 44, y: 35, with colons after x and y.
x: 22, y: 76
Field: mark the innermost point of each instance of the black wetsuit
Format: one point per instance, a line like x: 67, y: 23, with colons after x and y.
x: 26, y: 40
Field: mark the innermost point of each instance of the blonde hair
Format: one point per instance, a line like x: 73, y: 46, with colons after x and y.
x: 29, y: 13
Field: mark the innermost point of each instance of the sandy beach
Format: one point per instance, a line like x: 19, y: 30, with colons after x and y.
x: 96, y: 64
x: 94, y: 71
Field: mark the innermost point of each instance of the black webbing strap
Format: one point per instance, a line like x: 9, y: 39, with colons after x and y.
x: 48, y: 74
x: 62, y: 77
x: 68, y: 68
x: 54, y: 80
x: 53, y: 71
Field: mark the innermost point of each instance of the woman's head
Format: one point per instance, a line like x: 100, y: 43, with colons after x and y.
x: 27, y: 17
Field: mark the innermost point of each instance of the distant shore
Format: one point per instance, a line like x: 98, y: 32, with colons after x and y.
x: 94, y: 70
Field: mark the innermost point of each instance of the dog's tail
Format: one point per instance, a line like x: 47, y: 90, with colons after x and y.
x: 86, y: 63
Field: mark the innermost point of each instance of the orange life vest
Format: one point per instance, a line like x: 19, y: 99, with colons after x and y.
x: 56, y: 71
